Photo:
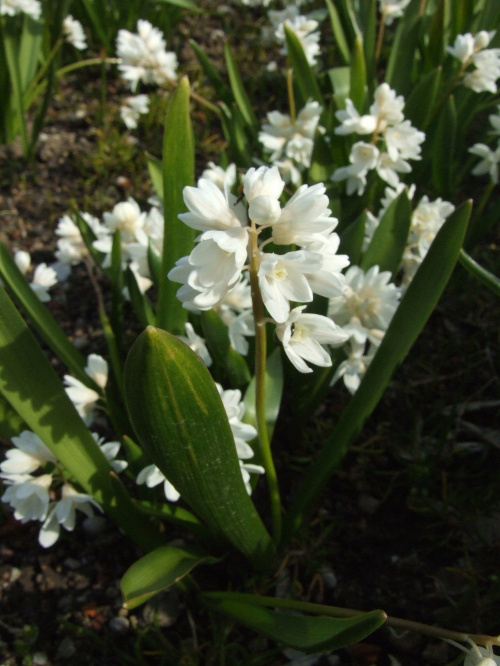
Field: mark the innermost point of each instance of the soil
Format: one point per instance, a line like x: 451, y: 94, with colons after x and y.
x: 410, y: 522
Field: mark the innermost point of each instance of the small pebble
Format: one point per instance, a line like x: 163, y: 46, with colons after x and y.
x: 119, y: 625
x: 66, y: 648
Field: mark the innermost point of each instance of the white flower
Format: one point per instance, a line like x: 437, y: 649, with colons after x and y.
x: 71, y: 248
x: 352, y: 122
x: 63, y: 513
x: 305, y: 218
x: 389, y: 169
x: 488, y: 163
x: 221, y: 177
x: 282, y: 279
x: 12, y: 7
x: 30, y: 453
x: 463, y: 47
x: 363, y: 158
x: 262, y: 188
x: 110, y: 451
x: 484, y: 77
x: 152, y: 477
x: 143, y: 56
x: 246, y: 470
x: 97, y: 369
x: 83, y: 398
x: 196, y: 343
x: 44, y: 277
x: 476, y: 655
x: 387, y: 106
x: 22, y: 260
x: 369, y: 301
x: 403, y: 141
x: 210, y: 208
x: 235, y: 410
x: 73, y: 33
x: 302, y: 336
x: 212, y: 268
x: 328, y: 281
x: 28, y: 496
x: 303, y: 28
x: 392, y: 9
x: 132, y: 108
x: 126, y: 217
x: 354, y: 367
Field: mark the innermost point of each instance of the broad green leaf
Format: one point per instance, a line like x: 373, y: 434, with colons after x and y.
x: 180, y: 421
x: 357, y: 90
x: 156, y: 175
x: 30, y: 50
x: 140, y: 302
x: 415, y: 308
x: 479, y: 272
x: 443, y: 150
x: 33, y: 389
x: 41, y: 318
x: 322, y: 161
x: 273, y: 391
x: 233, y: 366
x: 436, y: 31
x: 239, y: 92
x: 351, y: 239
x: 402, y: 58
x: 11, y: 424
x: 338, y: 33
x: 389, y: 240
x: 419, y: 106
x: 304, y: 77
x: 154, y: 263
x: 11, y: 48
x: 369, y: 39
x: 185, y: 4
x: 178, y: 172
x: 303, y: 632
x: 157, y: 571
x: 340, y: 78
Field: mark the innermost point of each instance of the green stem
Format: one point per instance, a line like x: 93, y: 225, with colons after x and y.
x: 260, y: 392
x: 380, y: 37
x: 291, y: 96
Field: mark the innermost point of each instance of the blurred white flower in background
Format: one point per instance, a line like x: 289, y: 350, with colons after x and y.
x: 472, y: 50
x: 12, y: 7
x: 44, y: 277
x: 132, y: 108
x: 73, y: 33
x: 29, y: 454
x: 84, y: 398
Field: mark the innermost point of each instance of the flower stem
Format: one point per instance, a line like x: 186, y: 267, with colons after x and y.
x: 291, y: 96
x: 380, y: 37
x: 260, y: 388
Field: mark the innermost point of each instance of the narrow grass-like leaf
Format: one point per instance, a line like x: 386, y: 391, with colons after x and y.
x: 340, y: 78
x: 156, y: 174
x: 351, y: 239
x: 479, y: 272
x: 304, y: 77
x: 185, y: 4
x: 178, y: 171
x: 180, y: 421
x: 240, y: 95
x: 10, y: 43
x: 338, y: 33
x: 357, y: 91
x: 443, y: 149
x: 212, y: 74
x: 29, y: 383
x: 437, y: 35
x: 402, y: 58
x: 116, y: 275
x: 419, y: 106
x: 309, y: 634
x: 157, y: 571
x: 415, y: 308
x: 41, y: 318
x: 154, y: 263
x: 389, y: 240
x: 140, y: 302
x: 30, y: 50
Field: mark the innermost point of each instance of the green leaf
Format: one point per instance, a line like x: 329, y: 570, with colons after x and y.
x: 389, y: 240
x: 351, y: 239
x: 436, y: 31
x: 340, y: 78
x: 181, y: 422
x: 338, y: 33
x: 443, y: 150
x: 402, y: 58
x: 301, y: 632
x: 156, y: 174
x: 157, y: 571
x: 480, y: 273
x: 415, y: 308
x: 41, y: 318
x: 11, y: 424
x: 357, y: 90
x: 30, y: 50
x: 178, y: 171
x: 140, y: 302
x: 212, y: 74
x: 232, y: 364
x: 239, y: 92
x: 185, y: 4
x: 29, y: 383
x: 419, y: 106
x: 304, y: 77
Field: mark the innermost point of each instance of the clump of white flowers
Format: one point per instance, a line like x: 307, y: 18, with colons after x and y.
x: 44, y: 277
x: 242, y: 433
x: 143, y: 56
x: 393, y: 141
x: 471, y: 51
x: 392, y: 9
x: 73, y: 33
x: 490, y: 158
x: 304, y: 28
x: 477, y: 655
x: 32, y: 8
x: 290, y: 142
x: 37, y: 490
x: 230, y: 248
x: 84, y: 398
x: 132, y: 108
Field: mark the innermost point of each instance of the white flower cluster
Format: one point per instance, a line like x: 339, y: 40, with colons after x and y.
x: 472, y: 50
x: 305, y: 29
x: 12, y: 7
x: 230, y: 240
x: 73, y: 33
x: 393, y: 141
x: 392, y: 9
x: 489, y: 158
x: 364, y: 312
x: 291, y: 142
x: 44, y: 277
x: 32, y: 494
x: 144, y: 56
x: 132, y: 108
x: 242, y: 433
x: 84, y: 398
